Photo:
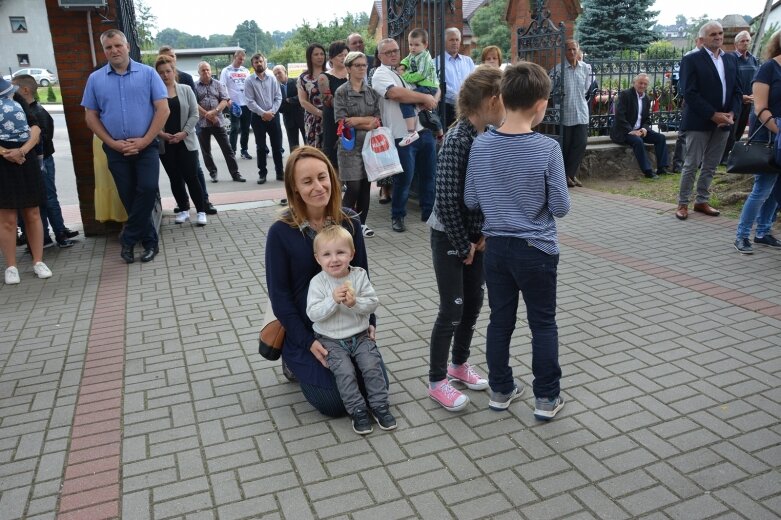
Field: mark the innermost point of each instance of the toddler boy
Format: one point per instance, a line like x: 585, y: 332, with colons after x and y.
x: 420, y: 71
x: 339, y: 303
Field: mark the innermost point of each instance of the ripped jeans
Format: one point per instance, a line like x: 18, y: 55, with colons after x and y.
x: 461, y: 289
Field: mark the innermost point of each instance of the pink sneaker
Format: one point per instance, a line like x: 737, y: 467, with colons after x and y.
x: 409, y: 139
x: 450, y: 398
x: 467, y: 375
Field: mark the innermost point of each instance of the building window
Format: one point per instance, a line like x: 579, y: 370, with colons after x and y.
x: 24, y: 60
x: 18, y: 24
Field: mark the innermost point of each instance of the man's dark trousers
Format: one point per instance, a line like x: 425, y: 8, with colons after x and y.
x: 137, y: 178
x: 240, y: 123
x: 274, y: 130
x: 638, y: 147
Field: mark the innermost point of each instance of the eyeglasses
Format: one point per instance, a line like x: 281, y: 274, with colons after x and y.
x: 391, y: 52
x: 359, y: 65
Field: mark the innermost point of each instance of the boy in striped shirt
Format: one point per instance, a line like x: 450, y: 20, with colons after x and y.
x: 516, y: 178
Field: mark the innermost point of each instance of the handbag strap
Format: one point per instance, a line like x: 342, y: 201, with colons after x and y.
x: 763, y: 123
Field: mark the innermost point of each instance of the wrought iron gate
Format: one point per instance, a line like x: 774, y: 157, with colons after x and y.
x: 543, y: 42
x: 126, y: 22
x: 405, y: 15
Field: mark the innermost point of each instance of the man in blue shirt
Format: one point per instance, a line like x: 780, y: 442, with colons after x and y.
x: 457, y: 68
x: 126, y: 107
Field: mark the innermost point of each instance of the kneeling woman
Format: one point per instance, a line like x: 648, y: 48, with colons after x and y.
x: 315, y: 201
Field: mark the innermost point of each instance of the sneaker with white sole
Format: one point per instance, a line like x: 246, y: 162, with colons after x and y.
x: 467, y: 375
x: 201, y: 219
x: 182, y: 217
x: 546, y: 408
x: 499, y: 401
x: 450, y: 398
x: 42, y: 270
x: 12, y: 276
x: 409, y: 139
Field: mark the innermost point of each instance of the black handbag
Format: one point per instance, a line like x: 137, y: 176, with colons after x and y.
x: 753, y: 157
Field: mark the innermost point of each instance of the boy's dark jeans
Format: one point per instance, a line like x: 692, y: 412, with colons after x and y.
x: 460, y: 300
x: 513, y: 266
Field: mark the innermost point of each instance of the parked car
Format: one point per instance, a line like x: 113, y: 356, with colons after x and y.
x: 44, y: 77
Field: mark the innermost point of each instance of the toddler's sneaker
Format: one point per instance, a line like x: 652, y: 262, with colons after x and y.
x: 384, y: 418
x: 182, y: 217
x: 42, y: 271
x: 499, y: 401
x: 546, y: 408
x: 362, y: 425
x: 201, y: 219
x: 450, y: 398
x: 467, y: 375
x: 12, y: 276
x: 409, y: 139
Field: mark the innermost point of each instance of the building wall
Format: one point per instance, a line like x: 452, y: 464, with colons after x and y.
x: 36, y: 42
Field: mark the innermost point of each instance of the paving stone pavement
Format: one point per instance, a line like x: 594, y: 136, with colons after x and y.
x: 137, y: 391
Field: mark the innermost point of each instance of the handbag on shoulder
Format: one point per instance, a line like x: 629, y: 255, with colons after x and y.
x: 752, y: 156
x: 272, y: 335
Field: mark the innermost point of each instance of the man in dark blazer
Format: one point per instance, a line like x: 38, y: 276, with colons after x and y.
x: 713, y: 97
x: 291, y: 110
x: 631, y: 126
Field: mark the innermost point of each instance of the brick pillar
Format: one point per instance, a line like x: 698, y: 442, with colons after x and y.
x: 74, y: 65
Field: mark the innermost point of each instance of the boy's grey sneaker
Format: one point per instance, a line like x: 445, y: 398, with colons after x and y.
x: 546, y: 408
x: 499, y: 401
x: 384, y: 418
x: 744, y: 246
x: 362, y: 425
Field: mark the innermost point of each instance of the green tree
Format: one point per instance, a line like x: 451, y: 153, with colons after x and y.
x: 293, y: 50
x: 490, y: 28
x: 252, y: 38
x: 606, y: 27
x: 146, y: 23
x: 661, y: 50
x: 681, y: 21
x: 51, y: 97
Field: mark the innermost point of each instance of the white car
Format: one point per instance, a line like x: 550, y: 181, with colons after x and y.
x: 44, y: 77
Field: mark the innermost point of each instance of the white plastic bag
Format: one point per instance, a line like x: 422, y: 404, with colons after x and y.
x: 380, y: 157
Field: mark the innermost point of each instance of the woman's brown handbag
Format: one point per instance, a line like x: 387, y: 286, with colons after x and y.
x: 272, y: 335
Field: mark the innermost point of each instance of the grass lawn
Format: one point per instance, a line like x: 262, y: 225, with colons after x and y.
x: 728, y: 191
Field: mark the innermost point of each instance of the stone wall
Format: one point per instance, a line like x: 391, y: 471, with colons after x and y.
x: 605, y: 159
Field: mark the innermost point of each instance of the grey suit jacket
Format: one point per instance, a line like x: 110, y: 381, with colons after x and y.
x: 188, y: 112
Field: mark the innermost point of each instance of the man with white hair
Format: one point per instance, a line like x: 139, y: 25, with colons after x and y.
x: 631, y: 126
x: 748, y: 65
x: 713, y: 97
x: 457, y: 68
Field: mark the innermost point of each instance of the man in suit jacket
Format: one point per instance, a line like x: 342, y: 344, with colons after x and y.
x: 631, y: 126
x: 713, y: 97
x: 291, y: 110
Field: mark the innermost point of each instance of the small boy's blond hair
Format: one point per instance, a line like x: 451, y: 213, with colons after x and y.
x: 331, y: 233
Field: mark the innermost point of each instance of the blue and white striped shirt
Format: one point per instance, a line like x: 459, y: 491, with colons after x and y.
x: 518, y: 182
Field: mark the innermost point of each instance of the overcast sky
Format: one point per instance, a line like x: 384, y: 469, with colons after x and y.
x: 205, y: 17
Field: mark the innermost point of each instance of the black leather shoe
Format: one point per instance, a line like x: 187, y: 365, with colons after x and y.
x: 70, y: 233
x: 662, y: 171
x: 210, y: 209
x: 239, y: 178
x: 213, y: 176
x: 398, y: 225
x: 650, y: 175
x: 177, y: 210
x: 280, y: 177
x: 262, y: 179
x: 127, y: 254
x: 149, y: 254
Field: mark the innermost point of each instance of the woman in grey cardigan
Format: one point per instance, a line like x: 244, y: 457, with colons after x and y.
x: 358, y: 107
x: 179, y: 145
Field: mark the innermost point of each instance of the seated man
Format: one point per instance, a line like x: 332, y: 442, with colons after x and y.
x: 631, y: 126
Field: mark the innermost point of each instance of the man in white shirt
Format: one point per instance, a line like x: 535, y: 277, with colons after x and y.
x: 233, y: 77
x: 457, y: 68
x: 264, y: 97
x: 420, y: 157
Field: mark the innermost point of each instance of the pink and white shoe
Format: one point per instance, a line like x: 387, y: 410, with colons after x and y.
x: 467, y: 375
x: 409, y: 139
x: 450, y: 398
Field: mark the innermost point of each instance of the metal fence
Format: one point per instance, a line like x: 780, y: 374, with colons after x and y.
x: 613, y: 75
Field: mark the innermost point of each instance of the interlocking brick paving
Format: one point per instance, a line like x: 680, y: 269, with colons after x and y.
x: 669, y: 346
